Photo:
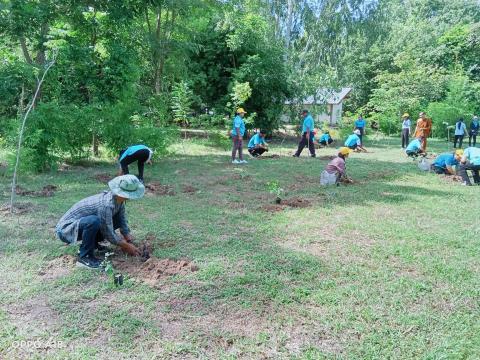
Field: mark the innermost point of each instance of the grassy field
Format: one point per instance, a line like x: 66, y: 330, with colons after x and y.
x: 387, y: 268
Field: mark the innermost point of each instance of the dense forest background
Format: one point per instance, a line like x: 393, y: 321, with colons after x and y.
x: 132, y: 71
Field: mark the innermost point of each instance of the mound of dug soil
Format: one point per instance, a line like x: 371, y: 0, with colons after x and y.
x: 18, y: 208
x: 103, y: 177
x: 273, y: 156
x: 47, y: 191
x: 187, y: 189
x: 294, y: 202
x: 153, y: 270
x: 58, y: 267
x: 158, y: 189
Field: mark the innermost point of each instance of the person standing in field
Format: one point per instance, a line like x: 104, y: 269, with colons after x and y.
x: 444, y: 163
x: 474, y: 127
x: 423, y: 129
x: 307, y: 139
x: 360, y: 124
x: 470, y: 161
x: 406, y: 125
x: 238, y: 130
x: 460, y: 131
x: 139, y: 153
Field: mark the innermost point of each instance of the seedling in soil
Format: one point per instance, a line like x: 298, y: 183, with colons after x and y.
x: 275, y: 189
x: 118, y: 279
x: 110, y: 271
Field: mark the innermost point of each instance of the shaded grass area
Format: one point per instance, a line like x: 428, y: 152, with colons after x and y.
x: 385, y: 268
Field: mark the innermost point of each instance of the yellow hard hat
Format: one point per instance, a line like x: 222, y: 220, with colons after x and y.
x: 406, y: 115
x: 241, y: 111
x: 459, y: 152
x: 344, y: 150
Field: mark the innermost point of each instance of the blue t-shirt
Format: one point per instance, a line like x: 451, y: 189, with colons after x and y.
x: 473, y: 155
x: 444, y: 160
x: 352, y: 140
x: 307, y: 123
x: 325, y: 137
x: 360, y: 123
x: 238, y: 123
x: 414, y: 145
x: 255, y: 140
x: 132, y: 150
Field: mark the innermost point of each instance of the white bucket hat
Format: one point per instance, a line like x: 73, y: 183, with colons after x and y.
x: 356, y: 131
x: 127, y: 186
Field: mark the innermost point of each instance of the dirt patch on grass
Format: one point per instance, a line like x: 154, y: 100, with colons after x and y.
x: 266, y: 157
x: 156, y: 188
x: 103, y: 177
x: 47, y: 191
x: 187, y: 189
x: 294, y: 202
x: 452, y: 179
x: 327, y: 157
x: 58, y: 267
x: 153, y: 270
x: 18, y: 208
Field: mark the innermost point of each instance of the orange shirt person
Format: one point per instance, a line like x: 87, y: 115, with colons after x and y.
x: 423, y: 129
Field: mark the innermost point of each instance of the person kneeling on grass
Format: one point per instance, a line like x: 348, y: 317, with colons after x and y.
x: 443, y: 163
x: 414, y: 149
x: 140, y: 153
x: 335, y: 169
x: 325, y: 139
x: 470, y: 161
x: 257, y: 145
x: 96, y: 218
x: 354, y: 142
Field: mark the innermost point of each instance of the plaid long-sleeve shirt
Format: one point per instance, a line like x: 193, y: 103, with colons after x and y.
x: 102, y: 205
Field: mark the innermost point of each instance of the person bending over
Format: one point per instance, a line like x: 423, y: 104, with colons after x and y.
x: 96, y: 218
x: 444, y: 163
x: 335, y: 169
x: 470, y: 161
x: 414, y: 149
x: 354, y: 142
x: 139, y: 153
x: 325, y: 139
x: 257, y: 145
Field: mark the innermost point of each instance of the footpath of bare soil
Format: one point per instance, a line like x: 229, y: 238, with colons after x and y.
x: 103, y: 177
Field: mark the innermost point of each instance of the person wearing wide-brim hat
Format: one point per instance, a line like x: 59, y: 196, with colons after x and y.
x: 96, y: 218
x: 406, y: 125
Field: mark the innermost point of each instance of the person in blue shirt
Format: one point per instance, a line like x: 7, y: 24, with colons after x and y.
x: 443, y: 163
x: 360, y: 124
x: 473, y: 132
x: 238, y: 130
x: 470, y: 161
x: 139, y: 153
x: 325, y: 139
x: 257, y: 145
x: 353, y: 142
x: 414, y: 148
x: 307, y: 134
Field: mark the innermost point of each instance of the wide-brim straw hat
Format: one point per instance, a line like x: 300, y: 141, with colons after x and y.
x: 127, y: 186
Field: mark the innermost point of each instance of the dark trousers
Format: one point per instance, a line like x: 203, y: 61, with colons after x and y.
x: 256, y: 151
x: 470, y: 136
x: 439, y: 170
x: 90, y: 234
x: 405, y: 137
x: 473, y: 168
x: 306, y: 142
x: 141, y: 156
x: 237, y: 146
x: 324, y: 143
x: 458, y: 138
x: 362, y: 132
